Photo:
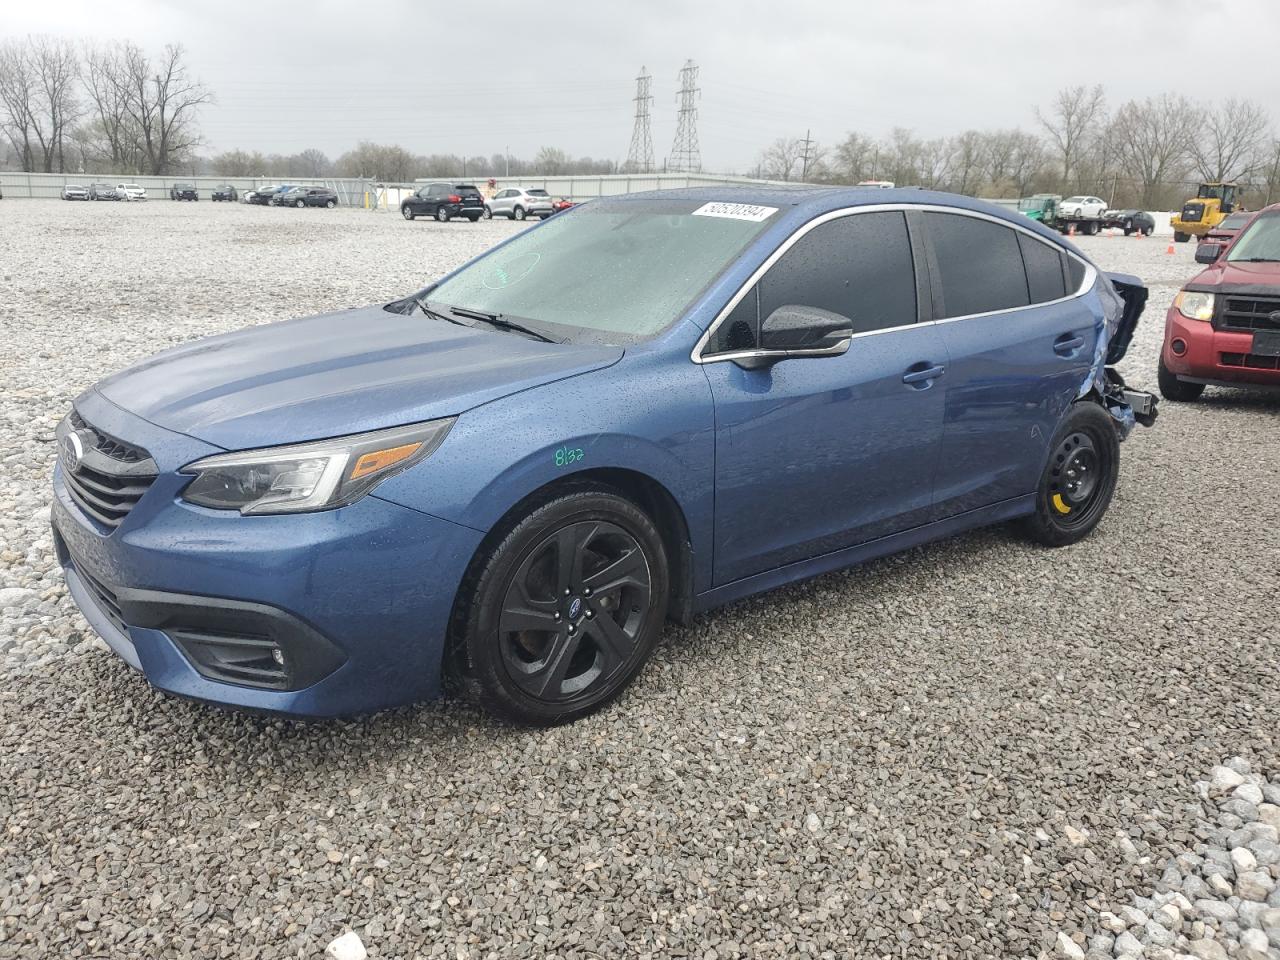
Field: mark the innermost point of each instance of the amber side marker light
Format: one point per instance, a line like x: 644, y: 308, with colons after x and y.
x: 381, y: 459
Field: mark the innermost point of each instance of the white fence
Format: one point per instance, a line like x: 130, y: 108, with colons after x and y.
x: 48, y: 186
x: 365, y: 193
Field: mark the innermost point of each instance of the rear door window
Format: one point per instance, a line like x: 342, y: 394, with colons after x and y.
x: 979, y: 265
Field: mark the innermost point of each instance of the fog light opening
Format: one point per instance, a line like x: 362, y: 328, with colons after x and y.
x: 277, y: 655
x: 1178, y: 346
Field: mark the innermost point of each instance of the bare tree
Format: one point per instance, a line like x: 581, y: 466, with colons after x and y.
x: 105, y: 83
x: 56, y: 69
x: 1072, y: 120
x: 1233, y: 140
x: 18, y: 98
x: 551, y: 161
x: 1152, y: 143
x: 162, y: 101
x: 968, y: 155
x: 313, y: 163
x: 855, y: 159
x: 781, y: 159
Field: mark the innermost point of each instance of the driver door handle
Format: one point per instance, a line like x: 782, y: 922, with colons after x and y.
x: 928, y: 373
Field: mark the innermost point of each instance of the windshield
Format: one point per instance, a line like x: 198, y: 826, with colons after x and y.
x: 1206, y: 191
x: 1074, y: 200
x: 1260, y: 241
x: 1031, y: 203
x: 537, y: 192
x: 614, y: 273
x: 1235, y: 221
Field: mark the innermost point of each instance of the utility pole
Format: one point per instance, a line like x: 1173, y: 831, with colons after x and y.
x: 506, y: 152
x: 804, y: 158
x: 685, y: 154
x: 640, y: 155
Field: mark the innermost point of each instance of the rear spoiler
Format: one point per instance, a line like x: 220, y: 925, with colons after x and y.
x: 1134, y: 294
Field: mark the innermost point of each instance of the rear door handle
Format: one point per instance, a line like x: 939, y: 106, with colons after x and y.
x: 1067, y: 344
x: 919, y: 376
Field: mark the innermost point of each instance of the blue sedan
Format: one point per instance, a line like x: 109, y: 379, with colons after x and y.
x: 633, y: 412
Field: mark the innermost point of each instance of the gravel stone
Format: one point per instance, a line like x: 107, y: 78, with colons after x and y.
x: 1069, y: 948
x: 1127, y: 945
x: 1088, y: 688
x: 1255, y: 885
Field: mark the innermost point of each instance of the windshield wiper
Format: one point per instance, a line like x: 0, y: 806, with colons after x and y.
x: 502, y: 322
x: 436, y: 314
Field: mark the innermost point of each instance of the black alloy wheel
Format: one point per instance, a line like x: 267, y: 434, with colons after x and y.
x: 1079, y: 478
x: 565, y: 610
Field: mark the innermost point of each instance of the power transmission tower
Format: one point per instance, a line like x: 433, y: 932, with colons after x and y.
x: 685, y: 155
x: 804, y: 158
x: 640, y: 156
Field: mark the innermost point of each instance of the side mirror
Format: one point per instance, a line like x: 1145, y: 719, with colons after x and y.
x: 799, y: 331
x: 1209, y: 252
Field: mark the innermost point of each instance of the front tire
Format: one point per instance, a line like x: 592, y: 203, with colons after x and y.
x: 1175, y: 390
x: 1179, y: 237
x: 299, y: 204
x: 330, y: 204
x: 1078, y: 480
x: 564, y: 611
x: 406, y: 212
x: 488, y: 214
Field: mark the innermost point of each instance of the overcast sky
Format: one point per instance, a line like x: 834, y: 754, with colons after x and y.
x: 479, y: 77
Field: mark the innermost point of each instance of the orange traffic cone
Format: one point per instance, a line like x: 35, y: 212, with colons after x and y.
x: 1071, y: 229
x: 1169, y: 249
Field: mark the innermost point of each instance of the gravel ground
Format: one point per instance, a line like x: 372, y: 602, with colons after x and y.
x: 973, y: 749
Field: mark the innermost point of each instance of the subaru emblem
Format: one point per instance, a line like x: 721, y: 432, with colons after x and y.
x: 72, y: 452
x: 575, y: 608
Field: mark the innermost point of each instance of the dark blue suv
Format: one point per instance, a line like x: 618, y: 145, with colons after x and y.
x: 636, y: 411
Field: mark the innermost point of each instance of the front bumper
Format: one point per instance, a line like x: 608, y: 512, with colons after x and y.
x: 357, y: 600
x: 1214, y: 356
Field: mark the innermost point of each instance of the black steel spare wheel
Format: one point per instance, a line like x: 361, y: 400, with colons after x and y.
x: 566, y: 609
x: 1079, y: 479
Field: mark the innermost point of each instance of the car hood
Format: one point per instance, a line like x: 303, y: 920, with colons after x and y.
x: 336, y: 374
x: 1239, y: 277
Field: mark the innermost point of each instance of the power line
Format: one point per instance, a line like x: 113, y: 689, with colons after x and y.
x: 685, y: 154
x: 640, y: 155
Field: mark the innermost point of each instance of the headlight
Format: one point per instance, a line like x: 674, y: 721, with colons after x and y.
x: 1194, y: 305
x: 310, y: 476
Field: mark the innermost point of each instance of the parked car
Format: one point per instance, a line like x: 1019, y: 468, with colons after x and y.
x: 444, y: 201
x: 517, y: 203
x: 226, y: 192
x: 309, y: 197
x: 130, y: 191
x: 1130, y: 221
x: 521, y: 471
x: 262, y: 195
x: 1224, y: 325
x: 74, y: 192
x: 1081, y: 208
x: 102, y: 191
x: 1225, y: 231
x: 277, y: 198
x: 183, y: 191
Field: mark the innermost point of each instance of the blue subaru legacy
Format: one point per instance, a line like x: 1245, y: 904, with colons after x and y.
x: 638, y: 410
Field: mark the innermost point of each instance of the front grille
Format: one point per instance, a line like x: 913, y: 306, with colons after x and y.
x: 104, y: 599
x: 1249, y: 313
x: 108, y: 445
x: 1255, y: 361
x: 111, y: 476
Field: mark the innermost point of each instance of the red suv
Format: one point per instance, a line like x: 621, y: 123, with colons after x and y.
x: 1224, y: 326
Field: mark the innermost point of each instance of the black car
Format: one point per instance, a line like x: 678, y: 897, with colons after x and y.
x: 224, y: 191
x: 183, y: 191
x: 266, y: 195
x: 444, y: 201
x: 309, y: 197
x: 102, y: 191
x: 1131, y: 221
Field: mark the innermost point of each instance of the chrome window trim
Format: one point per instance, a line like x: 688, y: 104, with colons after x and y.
x: 1086, y: 284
